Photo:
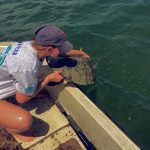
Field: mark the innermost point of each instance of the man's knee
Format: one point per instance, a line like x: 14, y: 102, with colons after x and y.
x: 24, y: 121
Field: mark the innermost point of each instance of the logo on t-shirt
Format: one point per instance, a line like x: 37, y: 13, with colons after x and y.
x: 4, y: 53
x: 17, y: 49
x: 31, y: 88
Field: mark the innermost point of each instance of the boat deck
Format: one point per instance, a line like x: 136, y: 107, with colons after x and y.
x: 50, y: 127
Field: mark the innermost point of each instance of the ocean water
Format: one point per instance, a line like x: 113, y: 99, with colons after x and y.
x: 117, y: 33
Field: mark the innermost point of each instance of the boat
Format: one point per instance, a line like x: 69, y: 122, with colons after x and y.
x: 68, y: 119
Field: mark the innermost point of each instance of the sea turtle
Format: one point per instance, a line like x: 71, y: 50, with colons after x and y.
x: 77, y: 70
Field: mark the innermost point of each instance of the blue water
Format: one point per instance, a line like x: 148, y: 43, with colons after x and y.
x: 115, y: 31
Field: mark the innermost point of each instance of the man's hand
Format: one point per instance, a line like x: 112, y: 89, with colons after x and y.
x: 85, y: 55
x: 80, y: 52
x: 54, y: 77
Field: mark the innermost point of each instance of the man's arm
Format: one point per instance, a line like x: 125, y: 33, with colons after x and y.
x: 74, y: 52
x: 55, y: 77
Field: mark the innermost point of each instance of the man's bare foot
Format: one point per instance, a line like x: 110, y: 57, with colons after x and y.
x: 25, y: 137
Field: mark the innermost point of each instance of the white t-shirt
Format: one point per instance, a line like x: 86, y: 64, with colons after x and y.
x: 19, y: 67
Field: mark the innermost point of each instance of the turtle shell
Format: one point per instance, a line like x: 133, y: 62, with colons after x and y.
x: 77, y: 70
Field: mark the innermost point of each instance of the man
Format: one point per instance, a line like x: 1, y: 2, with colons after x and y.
x: 19, y: 67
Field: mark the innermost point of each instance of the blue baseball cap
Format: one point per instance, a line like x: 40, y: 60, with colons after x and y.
x: 52, y: 35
